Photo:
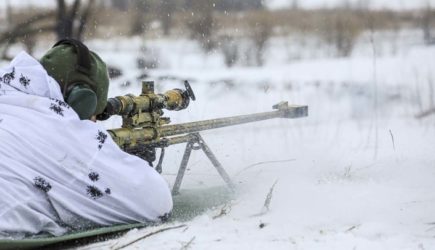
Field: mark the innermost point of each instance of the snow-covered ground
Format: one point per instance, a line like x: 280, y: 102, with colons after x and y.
x: 358, y: 173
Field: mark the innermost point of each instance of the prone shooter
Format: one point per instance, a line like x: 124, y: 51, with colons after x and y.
x: 60, y: 171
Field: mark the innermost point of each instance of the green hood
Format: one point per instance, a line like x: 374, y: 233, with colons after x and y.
x: 60, y: 63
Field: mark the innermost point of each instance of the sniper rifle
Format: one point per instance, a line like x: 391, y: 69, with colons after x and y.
x: 144, y: 128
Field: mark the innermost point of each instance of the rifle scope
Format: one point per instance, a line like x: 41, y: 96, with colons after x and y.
x: 148, y: 101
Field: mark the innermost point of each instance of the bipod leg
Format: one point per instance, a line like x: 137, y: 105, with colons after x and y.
x: 159, y: 164
x: 214, y: 161
x: 183, y: 166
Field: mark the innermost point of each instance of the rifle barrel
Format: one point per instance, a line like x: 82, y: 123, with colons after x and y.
x: 191, y: 127
x: 128, y: 138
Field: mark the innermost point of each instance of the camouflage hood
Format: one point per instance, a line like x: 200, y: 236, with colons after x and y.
x: 25, y: 74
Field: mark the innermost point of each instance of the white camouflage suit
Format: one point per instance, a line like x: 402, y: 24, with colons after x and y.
x: 58, y: 172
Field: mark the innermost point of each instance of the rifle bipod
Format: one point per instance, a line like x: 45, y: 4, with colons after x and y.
x: 195, y: 143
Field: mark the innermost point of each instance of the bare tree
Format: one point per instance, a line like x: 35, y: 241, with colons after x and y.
x: 260, y: 35
x: 230, y: 49
x: 71, y: 21
x: 67, y: 21
x: 341, y: 31
x: 202, y: 24
x: 166, y: 9
x: 8, y: 13
x: 24, y: 30
x: 427, y: 21
x: 138, y: 22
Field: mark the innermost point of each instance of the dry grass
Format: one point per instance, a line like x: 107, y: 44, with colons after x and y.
x: 108, y: 22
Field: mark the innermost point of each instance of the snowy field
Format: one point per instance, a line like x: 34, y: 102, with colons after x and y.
x: 358, y: 173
